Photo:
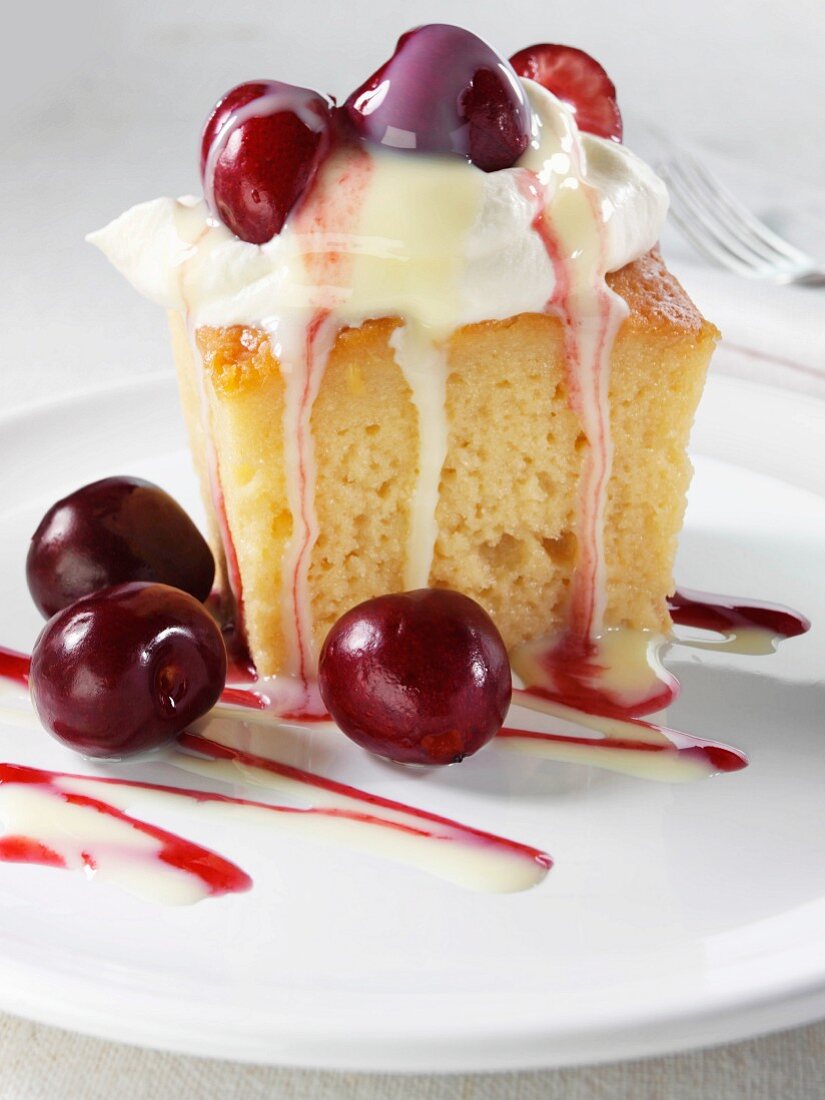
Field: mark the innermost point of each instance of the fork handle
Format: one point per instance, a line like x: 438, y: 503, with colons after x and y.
x: 812, y: 279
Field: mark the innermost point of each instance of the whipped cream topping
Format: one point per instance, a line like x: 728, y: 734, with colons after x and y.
x: 436, y: 240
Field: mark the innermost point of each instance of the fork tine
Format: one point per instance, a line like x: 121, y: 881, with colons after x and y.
x: 722, y: 228
x: 711, y: 247
x: 704, y: 220
x: 748, y: 221
x: 737, y: 234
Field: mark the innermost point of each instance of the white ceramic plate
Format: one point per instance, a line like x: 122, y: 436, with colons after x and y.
x: 675, y: 915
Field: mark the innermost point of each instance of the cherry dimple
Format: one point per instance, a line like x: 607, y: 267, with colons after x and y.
x: 579, y: 80
x: 261, y: 149
x: 420, y: 677
x: 444, y: 90
x: 112, y: 531
x: 126, y: 669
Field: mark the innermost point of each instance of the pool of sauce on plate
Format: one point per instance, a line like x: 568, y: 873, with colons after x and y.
x: 84, y: 822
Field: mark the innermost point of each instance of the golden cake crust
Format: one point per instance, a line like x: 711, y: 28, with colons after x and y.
x: 658, y: 303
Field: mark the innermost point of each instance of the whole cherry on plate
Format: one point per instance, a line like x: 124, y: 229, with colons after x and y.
x: 579, y: 81
x: 420, y: 677
x: 126, y: 669
x: 444, y: 90
x: 112, y: 531
x: 261, y: 148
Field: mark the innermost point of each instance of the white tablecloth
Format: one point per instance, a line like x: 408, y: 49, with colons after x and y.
x: 40, y: 1063
x: 102, y: 112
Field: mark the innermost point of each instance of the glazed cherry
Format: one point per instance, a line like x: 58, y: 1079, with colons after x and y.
x: 112, y: 531
x: 579, y: 81
x: 261, y: 148
x: 445, y: 91
x: 126, y: 669
x: 420, y: 677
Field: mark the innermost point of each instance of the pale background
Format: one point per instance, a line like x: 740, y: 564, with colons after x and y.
x: 102, y: 105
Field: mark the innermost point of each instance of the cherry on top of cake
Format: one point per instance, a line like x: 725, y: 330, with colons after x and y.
x: 443, y: 92
x: 579, y: 81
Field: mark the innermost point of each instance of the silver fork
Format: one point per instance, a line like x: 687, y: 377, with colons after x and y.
x: 724, y: 230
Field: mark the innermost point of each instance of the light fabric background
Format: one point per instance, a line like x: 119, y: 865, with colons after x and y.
x: 40, y: 1063
x: 102, y: 106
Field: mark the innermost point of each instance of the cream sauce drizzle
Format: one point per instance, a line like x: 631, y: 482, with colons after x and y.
x: 622, y: 672
x: 424, y: 208
x: 302, y: 352
x: 569, y: 218
x: 465, y: 856
x: 424, y: 365
x: 86, y: 823
x: 632, y: 746
x: 81, y: 824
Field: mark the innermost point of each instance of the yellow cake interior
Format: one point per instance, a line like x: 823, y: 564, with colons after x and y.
x: 508, y: 502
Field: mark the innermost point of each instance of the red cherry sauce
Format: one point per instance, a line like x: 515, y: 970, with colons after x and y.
x: 22, y: 849
x: 368, y: 807
x: 314, y: 362
x: 584, y: 370
x: 727, y: 615
x: 573, y: 666
x: 573, y: 669
x: 577, y: 697
x: 14, y: 666
x: 673, y: 749
x: 216, y: 874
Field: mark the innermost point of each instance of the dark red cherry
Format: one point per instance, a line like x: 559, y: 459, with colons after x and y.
x: 126, y: 669
x: 445, y: 91
x: 260, y: 151
x: 420, y: 677
x: 112, y: 531
x: 577, y: 79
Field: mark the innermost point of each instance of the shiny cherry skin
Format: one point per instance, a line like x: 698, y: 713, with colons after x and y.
x: 579, y: 81
x: 261, y: 149
x: 112, y: 531
x: 445, y: 91
x: 420, y: 677
x: 126, y: 669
